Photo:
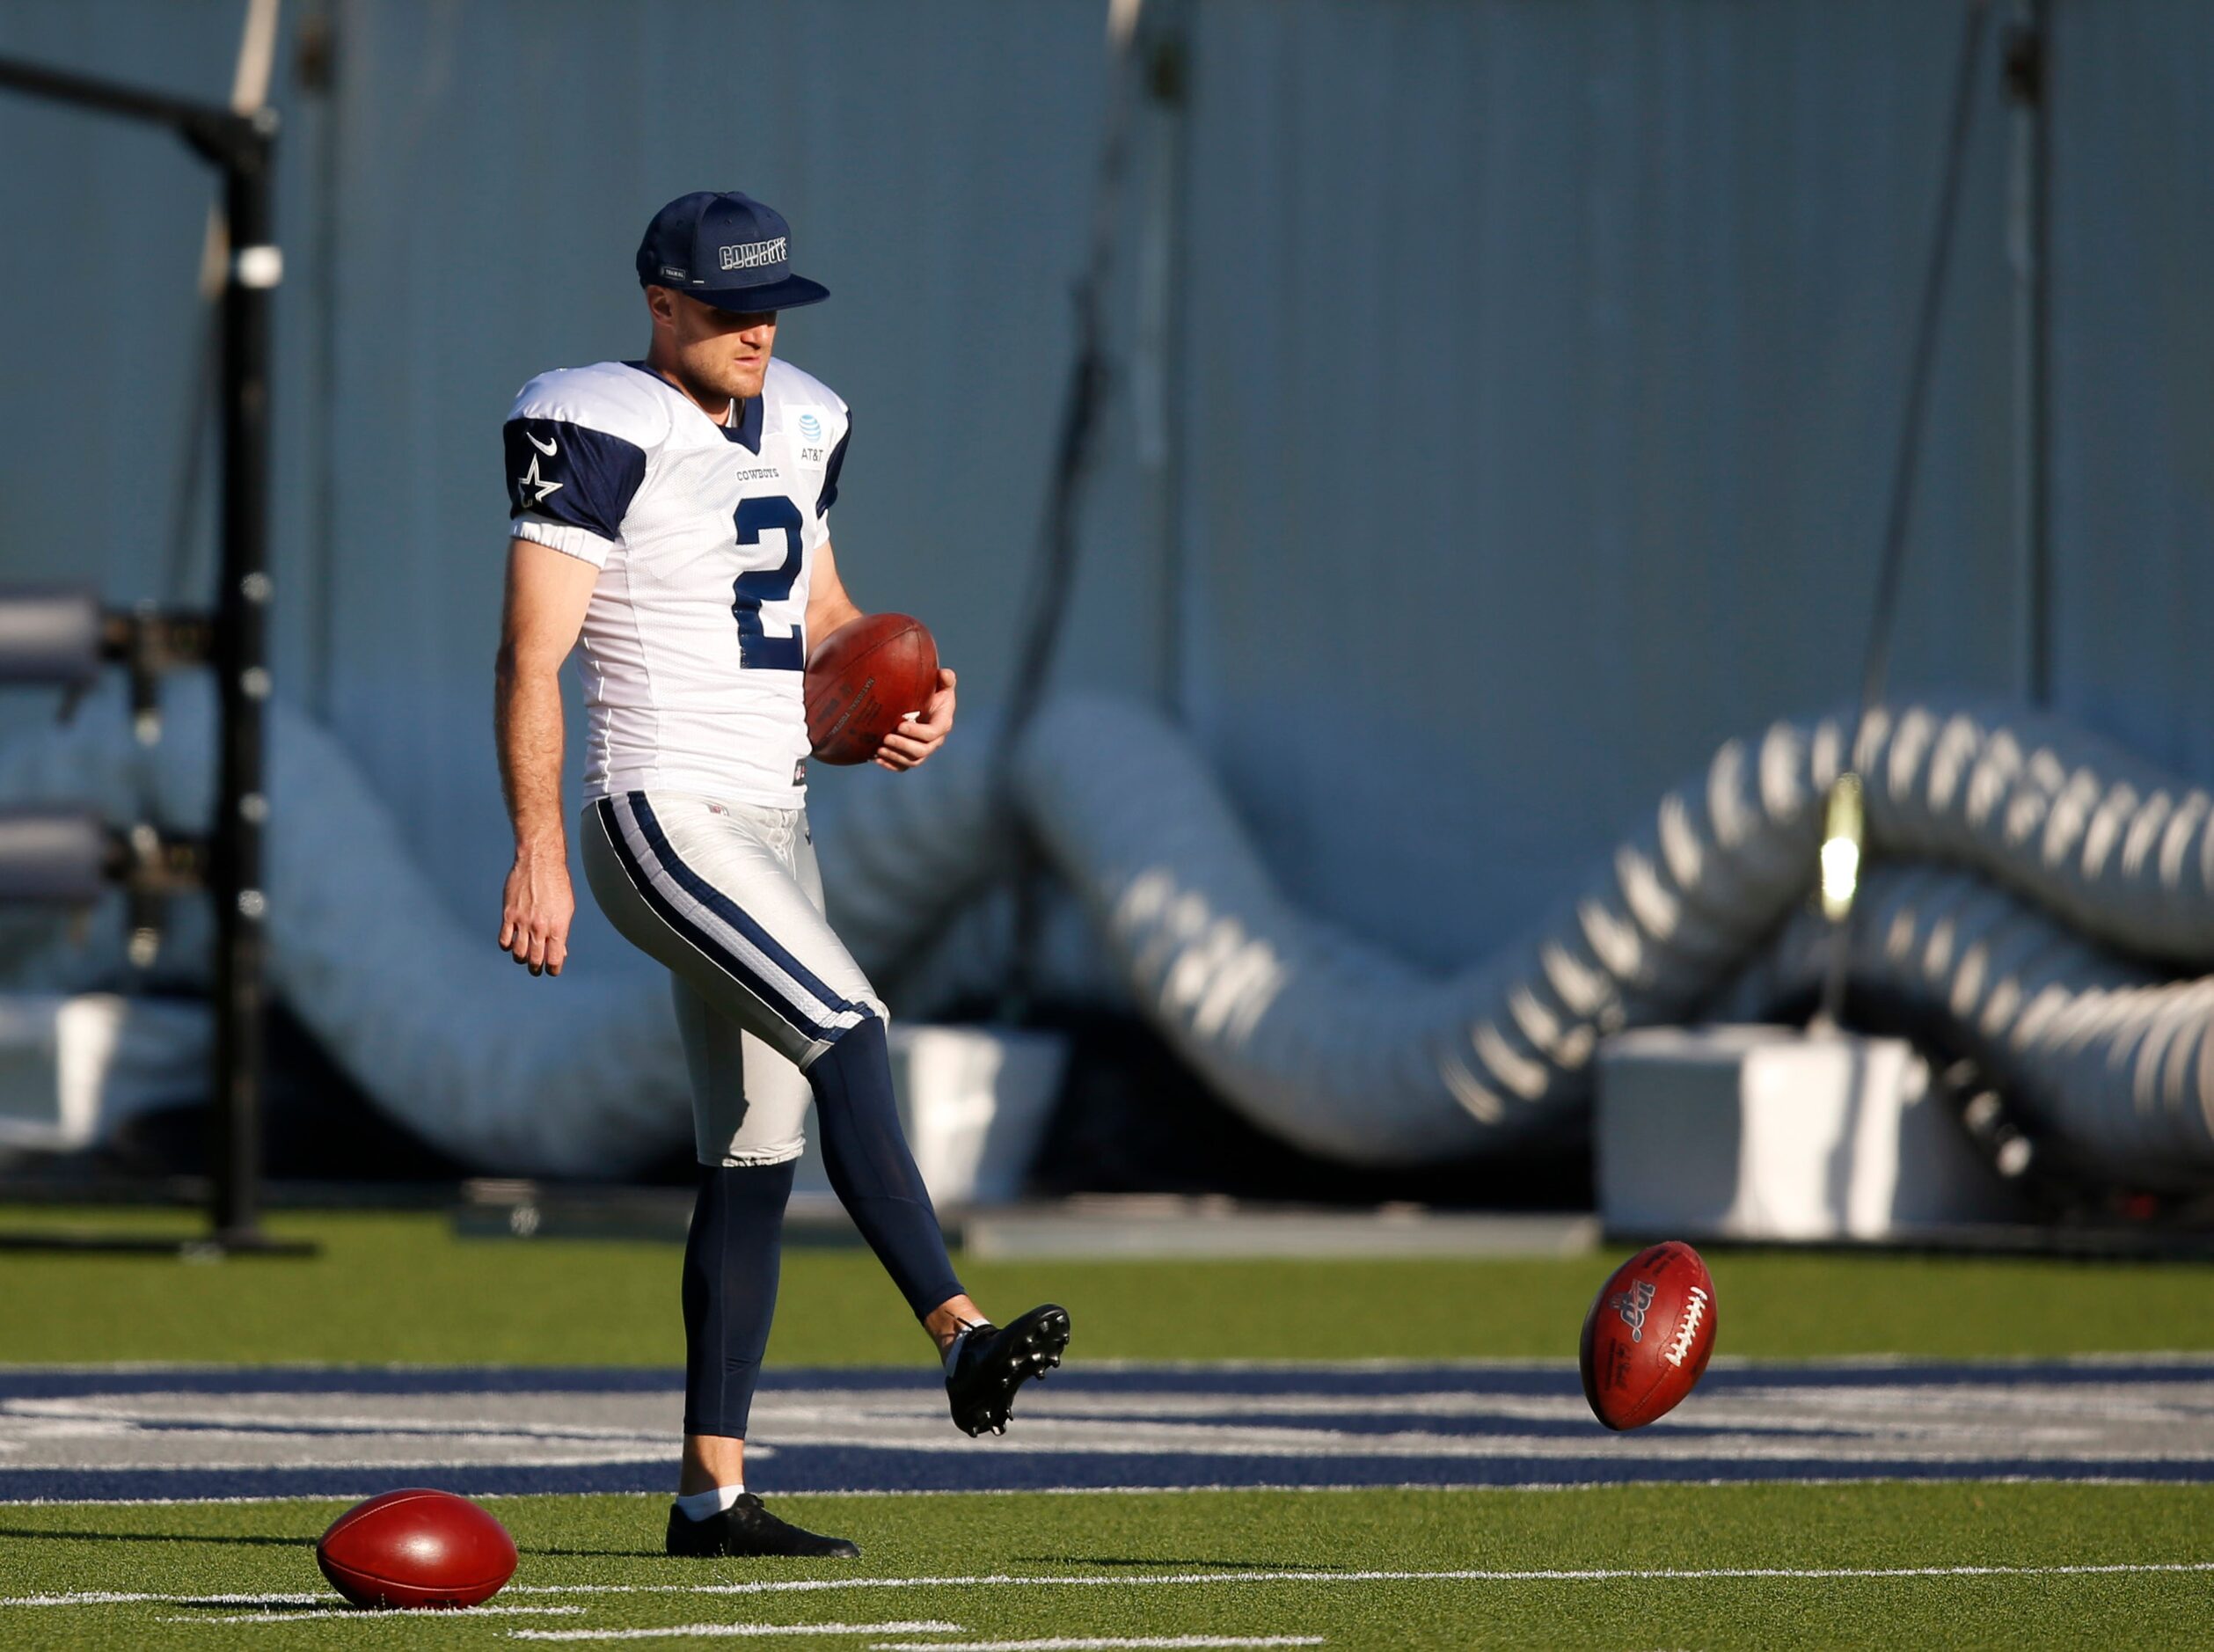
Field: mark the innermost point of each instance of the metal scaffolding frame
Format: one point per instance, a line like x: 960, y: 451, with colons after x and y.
x: 242, y: 147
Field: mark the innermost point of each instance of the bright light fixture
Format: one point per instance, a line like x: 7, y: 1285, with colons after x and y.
x: 1843, y: 819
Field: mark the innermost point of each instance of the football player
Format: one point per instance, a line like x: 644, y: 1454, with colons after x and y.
x: 672, y: 516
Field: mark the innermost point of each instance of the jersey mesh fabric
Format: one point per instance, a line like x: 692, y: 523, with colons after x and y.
x: 704, y: 534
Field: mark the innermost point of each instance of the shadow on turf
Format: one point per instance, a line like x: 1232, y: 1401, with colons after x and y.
x: 1118, y: 1559
x: 1028, y: 1559
x: 153, y: 1537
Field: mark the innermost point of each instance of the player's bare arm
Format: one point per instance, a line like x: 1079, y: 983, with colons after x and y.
x: 828, y: 607
x: 547, y: 595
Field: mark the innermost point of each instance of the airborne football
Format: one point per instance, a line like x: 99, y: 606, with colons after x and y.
x: 1109, y: 824
x: 1647, y: 1336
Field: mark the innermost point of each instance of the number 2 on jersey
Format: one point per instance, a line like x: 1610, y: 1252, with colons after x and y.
x: 757, y: 651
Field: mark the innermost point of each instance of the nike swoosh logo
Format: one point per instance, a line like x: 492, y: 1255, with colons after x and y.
x: 545, y: 447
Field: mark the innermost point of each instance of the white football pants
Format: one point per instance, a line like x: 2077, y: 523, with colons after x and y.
x: 729, y: 896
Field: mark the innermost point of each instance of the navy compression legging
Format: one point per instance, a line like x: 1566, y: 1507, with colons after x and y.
x: 872, y: 1171
x: 731, y: 1257
x: 731, y: 1254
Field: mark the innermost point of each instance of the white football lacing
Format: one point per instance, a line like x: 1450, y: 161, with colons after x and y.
x: 1679, y: 1346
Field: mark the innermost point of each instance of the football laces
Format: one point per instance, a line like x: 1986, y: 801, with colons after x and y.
x: 1679, y: 1346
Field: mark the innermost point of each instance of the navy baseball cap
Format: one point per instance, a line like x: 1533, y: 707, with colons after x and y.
x: 725, y: 249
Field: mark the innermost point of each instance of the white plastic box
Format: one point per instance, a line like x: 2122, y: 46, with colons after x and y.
x: 72, y: 1068
x: 1767, y: 1133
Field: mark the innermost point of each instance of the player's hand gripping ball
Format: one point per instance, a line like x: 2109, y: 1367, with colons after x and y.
x: 1648, y: 1335
x: 416, y: 1548
x: 865, y: 678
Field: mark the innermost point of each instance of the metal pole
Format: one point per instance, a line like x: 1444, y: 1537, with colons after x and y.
x: 1075, y: 454
x: 1158, y: 375
x: 243, y: 674
x: 2029, y: 82
x: 241, y: 145
x: 1840, y: 868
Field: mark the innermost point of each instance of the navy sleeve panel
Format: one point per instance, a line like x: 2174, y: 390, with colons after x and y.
x: 572, y: 474
x: 829, y: 494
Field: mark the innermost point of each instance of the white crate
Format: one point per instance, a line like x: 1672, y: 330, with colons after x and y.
x: 71, y: 1069
x: 1767, y: 1133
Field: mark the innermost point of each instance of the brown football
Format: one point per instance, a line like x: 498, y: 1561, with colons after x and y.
x: 416, y: 1548
x: 863, y: 679
x: 1648, y: 1335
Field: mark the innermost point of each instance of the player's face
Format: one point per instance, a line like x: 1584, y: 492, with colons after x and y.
x: 717, y: 352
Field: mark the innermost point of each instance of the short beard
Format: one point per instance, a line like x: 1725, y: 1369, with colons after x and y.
x: 732, y: 387
x: 707, y: 391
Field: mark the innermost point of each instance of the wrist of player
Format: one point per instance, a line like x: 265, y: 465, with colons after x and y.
x: 544, y: 846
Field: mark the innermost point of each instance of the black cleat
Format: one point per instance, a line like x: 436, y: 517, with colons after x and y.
x: 993, y: 1362
x: 746, y: 1529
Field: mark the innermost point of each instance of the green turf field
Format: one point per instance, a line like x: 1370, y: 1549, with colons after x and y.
x: 1977, y: 1564
x: 399, y: 1287
x: 1224, y: 1545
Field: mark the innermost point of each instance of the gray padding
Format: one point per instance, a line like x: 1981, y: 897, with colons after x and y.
x: 49, y: 637
x: 52, y: 856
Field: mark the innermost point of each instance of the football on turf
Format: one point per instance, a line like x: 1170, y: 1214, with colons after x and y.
x: 1648, y: 1335
x: 416, y: 1548
x: 863, y: 679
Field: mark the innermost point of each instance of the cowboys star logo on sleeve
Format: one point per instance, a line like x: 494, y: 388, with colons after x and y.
x: 564, y: 472
x: 534, y: 489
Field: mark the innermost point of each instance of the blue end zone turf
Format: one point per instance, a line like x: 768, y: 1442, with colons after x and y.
x: 133, y: 1433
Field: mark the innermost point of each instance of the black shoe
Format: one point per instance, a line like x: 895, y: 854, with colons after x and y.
x: 746, y: 1528
x: 993, y: 1362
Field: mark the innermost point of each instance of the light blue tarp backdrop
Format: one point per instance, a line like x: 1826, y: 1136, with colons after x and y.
x: 1521, y: 431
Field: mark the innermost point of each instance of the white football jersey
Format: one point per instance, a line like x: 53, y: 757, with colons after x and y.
x: 704, y: 534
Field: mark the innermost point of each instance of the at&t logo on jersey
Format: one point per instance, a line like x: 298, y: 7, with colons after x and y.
x: 810, y: 431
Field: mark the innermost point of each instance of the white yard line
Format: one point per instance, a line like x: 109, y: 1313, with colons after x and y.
x: 1341, y: 1486
x: 1086, y: 1580
x: 118, y: 1597
x: 1549, y: 1574
x: 702, y: 1631
x: 1336, y: 1487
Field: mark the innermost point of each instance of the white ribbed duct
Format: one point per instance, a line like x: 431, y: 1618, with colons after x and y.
x: 2037, y: 855
x: 1350, y: 1054
x: 2107, y: 1059
x: 426, y: 1014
